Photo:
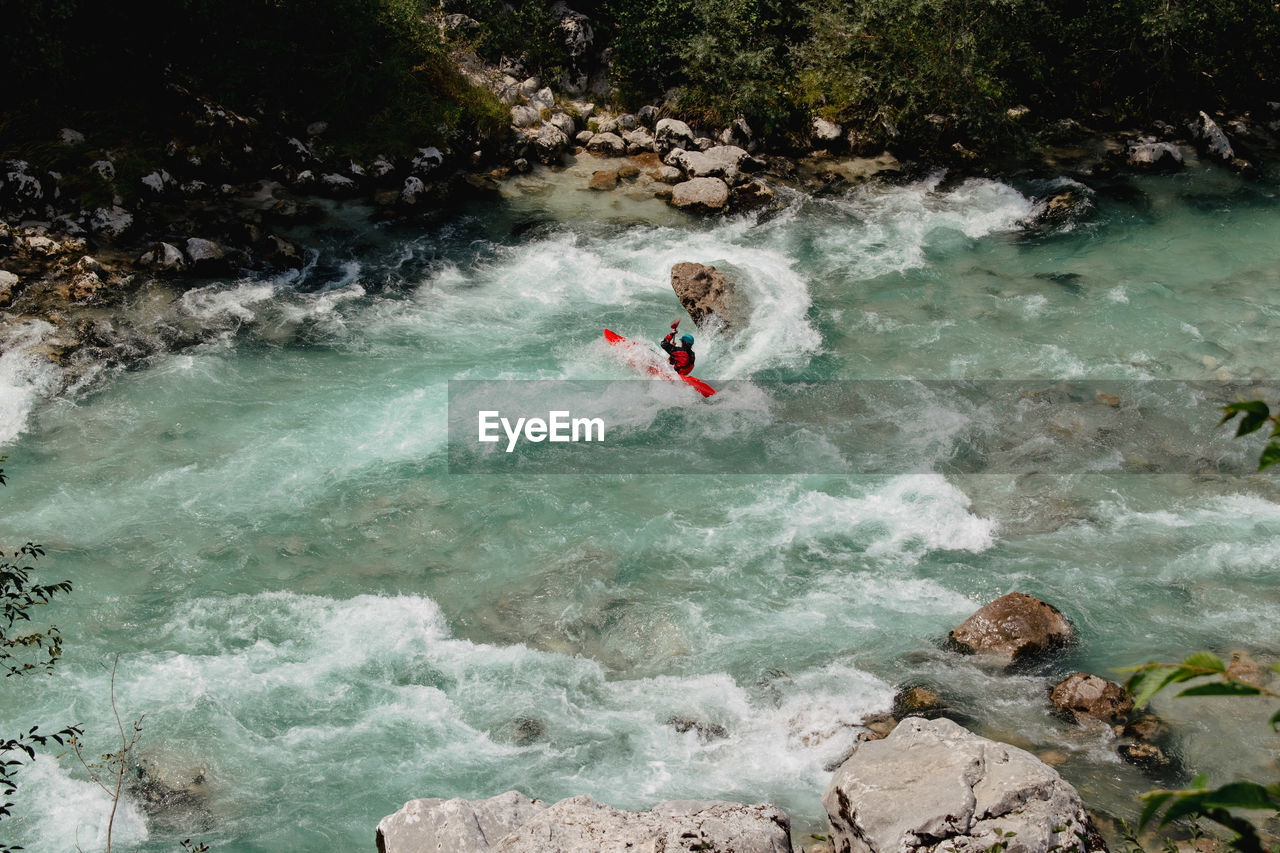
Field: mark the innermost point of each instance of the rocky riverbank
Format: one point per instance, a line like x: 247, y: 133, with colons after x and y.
x: 231, y: 195
x: 914, y: 781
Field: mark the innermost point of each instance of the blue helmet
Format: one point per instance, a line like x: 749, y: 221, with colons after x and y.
x: 687, y: 340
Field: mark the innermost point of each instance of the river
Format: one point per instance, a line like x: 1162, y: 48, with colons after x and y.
x: 320, y: 617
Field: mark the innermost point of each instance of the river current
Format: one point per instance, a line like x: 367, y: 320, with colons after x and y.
x: 320, y: 618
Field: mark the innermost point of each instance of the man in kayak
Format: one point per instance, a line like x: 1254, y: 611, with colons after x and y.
x: 680, y: 357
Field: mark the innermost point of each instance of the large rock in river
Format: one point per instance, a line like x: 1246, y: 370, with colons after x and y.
x: 706, y: 293
x: 513, y: 823
x: 1013, y: 628
x: 932, y: 785
x: 1085, y: 695
x: 701, y: 195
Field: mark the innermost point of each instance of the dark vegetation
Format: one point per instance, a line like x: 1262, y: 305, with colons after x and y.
x: 918, y: 74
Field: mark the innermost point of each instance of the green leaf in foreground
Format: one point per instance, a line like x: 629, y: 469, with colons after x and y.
x: 1222, y: 688
x: 1205, y: 660
x: 1270, y: 455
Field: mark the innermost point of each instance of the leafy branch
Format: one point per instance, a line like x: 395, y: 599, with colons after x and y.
x: 1254, y: 414
x: 1199, y: 800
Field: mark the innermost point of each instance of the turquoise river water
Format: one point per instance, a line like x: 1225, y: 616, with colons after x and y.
x: 320, y: 619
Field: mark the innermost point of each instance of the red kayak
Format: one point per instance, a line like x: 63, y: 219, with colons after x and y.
x: 657, y: 368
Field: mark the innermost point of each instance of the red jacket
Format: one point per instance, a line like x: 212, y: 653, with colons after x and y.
x: 680, y: 357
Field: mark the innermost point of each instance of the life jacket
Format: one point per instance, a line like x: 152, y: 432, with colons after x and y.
x: 682, y: 361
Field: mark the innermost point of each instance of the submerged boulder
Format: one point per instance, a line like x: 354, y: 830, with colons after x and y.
x: 1014, y: 628
x: 932, y: 785
x: 513, y: 823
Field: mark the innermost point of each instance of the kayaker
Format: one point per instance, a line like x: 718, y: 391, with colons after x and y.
x: 680, y: 357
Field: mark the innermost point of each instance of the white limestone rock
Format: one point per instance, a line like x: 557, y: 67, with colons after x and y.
x: 543, y: 99
x: 672, y: 133
x: 111, y: 222
x: 722, y: 161
x: 522, y: 116
x: 701, y: 195
x: 454, y: 826
x: 427, y: 160
x: 513, y: 823
x: 549, y: 144
x: 607, y: 145
x: 565, y: 123
x: 203, y: 252
x: 826, y: 131
x: 932, y: 785
x: 164, y: 257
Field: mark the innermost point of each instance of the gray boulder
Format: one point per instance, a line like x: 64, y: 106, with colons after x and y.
x: 163, y: 256
x: 931, y: 785
x: 513, y: 823
x: 1012, y: 629
x: 543, y: 99
x: 454, y: 826
x: 701, y: 195
x: 413, y: 190
x: 648, y: 115
x: 204, y: 253
x: 104, y: 169
x: 721, y: 161
x: 549, y: 144
x: 639, y: 139
x: 8, y: 281
x: 826, y: 131
x: 607, y: 145
x: 522, y: 116
x: 671, y: 133
x: 583, y: 137
x: 581, y: 825
x: 1151, y: 156
x: 111, y: 222
x: 426, y: 161
x: 565, y: 123
x: 1209, y: 135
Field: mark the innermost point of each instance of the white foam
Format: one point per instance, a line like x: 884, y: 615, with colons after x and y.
x: 25, y: 376
x: 907, y: 517
x: 894, y: 225
x: 70, y: 814
x: 218, y: 301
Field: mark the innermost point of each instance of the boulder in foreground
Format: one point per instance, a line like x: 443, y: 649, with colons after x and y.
x: 1013, y: 629
x: 932, y: 785
x: 513, y: 823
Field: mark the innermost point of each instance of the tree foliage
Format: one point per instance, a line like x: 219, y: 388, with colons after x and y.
x: 1198, y: 800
